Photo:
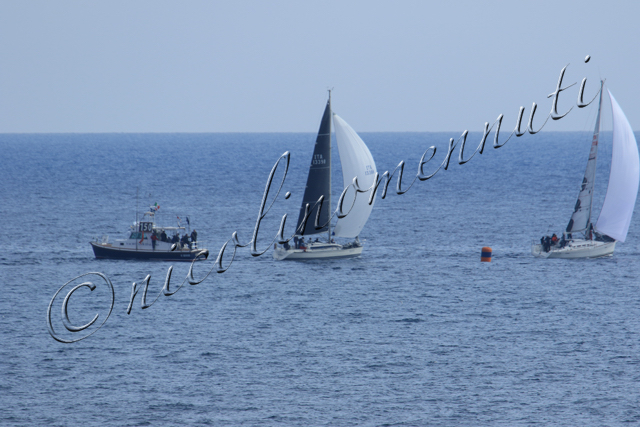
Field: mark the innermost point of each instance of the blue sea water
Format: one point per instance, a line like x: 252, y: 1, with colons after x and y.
x: 417, y: 331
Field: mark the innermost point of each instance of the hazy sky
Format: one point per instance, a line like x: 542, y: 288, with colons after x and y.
x: 256, y: 66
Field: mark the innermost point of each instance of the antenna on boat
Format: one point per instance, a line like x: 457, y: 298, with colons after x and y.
x: 329, y: 198
x: 136, y: 225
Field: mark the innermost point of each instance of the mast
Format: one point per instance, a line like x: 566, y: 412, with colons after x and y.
x: 596, y: 136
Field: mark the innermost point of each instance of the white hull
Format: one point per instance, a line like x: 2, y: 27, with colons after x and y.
x: 576, y: 249
x: 619, y: 201
x: 318, y: 251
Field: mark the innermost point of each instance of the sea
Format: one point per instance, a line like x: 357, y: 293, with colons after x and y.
x: 417, y: 331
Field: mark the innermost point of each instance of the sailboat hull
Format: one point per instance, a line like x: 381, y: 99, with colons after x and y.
x: 576, y: 249
x: 619, y: 200
x: 357, y: 167
x: 318, y: 251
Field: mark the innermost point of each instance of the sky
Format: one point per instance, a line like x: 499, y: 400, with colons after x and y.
x: 265, y: 66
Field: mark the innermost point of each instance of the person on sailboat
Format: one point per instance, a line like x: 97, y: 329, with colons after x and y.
x: 554, y: 239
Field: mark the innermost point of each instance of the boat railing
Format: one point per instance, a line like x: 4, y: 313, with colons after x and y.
x: 194, y: 246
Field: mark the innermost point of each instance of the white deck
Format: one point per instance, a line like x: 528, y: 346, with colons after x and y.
x: 317, y: 251
x: 575, y: 249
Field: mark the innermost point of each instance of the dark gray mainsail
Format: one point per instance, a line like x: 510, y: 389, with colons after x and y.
x: 581, y: 217
x: 319, y: 180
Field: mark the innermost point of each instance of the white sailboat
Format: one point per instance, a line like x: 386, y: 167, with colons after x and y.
x: 356, y: 161
x: 600, y: 239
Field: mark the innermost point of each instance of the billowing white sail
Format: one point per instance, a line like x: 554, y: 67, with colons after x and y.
x: 624, y: 177
x: 356, y: 161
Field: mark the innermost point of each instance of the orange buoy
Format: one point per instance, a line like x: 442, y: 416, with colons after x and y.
x: 485, y: 255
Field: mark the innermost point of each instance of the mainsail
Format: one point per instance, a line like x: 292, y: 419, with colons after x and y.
x: 624, y: 177
x: 581, y: 218
x: 357, y: 162
x: 319, y: 180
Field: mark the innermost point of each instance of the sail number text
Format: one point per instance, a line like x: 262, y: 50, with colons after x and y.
x: 318, y: 160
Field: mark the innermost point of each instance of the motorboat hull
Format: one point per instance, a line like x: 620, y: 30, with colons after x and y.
x: 318, y: 251
x: 576, y: 249
x: 108, y: 251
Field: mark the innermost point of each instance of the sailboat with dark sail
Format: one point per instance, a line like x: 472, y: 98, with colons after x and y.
x: 600, y: 239
x: 357, y: 162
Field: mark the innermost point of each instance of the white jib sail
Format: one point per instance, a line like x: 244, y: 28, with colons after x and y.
x: 356, y: 161
x: 620, y: 200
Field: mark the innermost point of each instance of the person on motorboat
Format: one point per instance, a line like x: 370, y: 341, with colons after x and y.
x: 185, y: 241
